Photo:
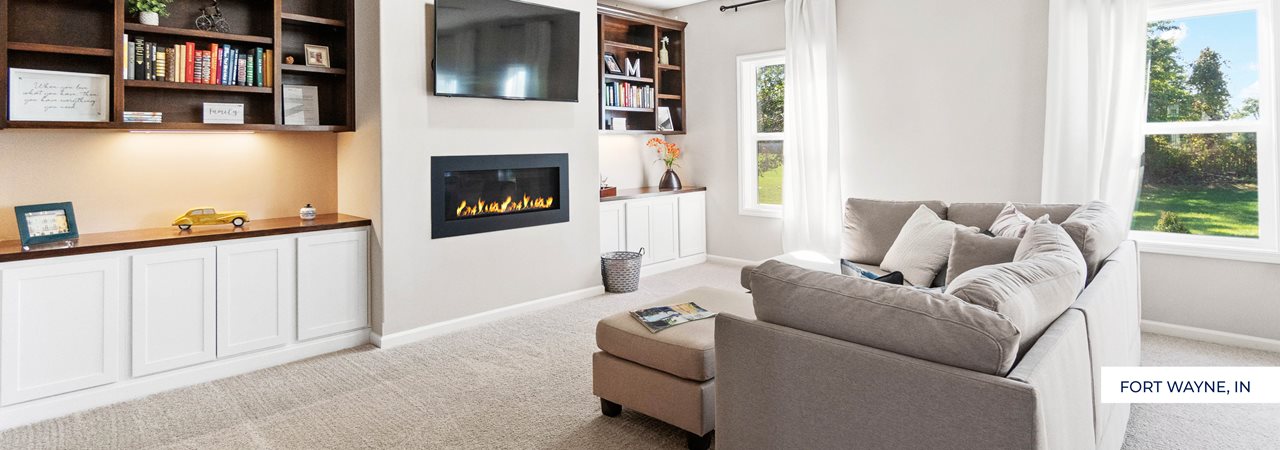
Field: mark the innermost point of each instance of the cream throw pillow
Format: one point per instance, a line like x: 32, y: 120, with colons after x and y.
x: 1013, y: 223
x: 922, y: 247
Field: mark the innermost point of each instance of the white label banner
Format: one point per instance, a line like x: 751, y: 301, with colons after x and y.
x: 1191, y: 385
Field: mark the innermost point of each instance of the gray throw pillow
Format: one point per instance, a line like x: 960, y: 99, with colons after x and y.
x: 1045, y: 277
x: 1013, y: 223
x: 971, y: 250
x: 923, y: 324
x: 921, y: 248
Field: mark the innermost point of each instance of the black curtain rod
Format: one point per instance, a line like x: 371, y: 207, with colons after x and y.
x: 735, y: 7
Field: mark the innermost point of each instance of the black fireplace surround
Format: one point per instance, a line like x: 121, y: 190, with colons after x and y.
x: 480, y: 194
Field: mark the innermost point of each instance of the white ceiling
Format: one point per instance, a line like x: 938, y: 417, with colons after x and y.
x: 663, y: 5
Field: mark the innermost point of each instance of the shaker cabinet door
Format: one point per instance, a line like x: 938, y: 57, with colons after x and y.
x: 173, y: 310
x: 333, y: 283
x: 255, y: 295
x: 59, y: 328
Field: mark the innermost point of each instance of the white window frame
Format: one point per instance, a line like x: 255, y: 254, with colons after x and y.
x: 749, y: 136
x: 1266, y: 248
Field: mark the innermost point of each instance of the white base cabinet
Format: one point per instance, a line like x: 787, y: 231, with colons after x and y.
x: 255, y: 295
x: 59, y: 328
x: 330, y: 299
x: 670, y: 228
x: 181, y: 315
x: 173, y: 310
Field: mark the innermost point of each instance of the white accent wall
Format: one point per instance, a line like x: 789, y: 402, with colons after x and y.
x: 938, y: 100
x: 425, y: 281
x: 713, y: 42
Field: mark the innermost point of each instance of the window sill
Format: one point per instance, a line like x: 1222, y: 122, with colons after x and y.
x: 761, y: 212
x: 1200, y: 250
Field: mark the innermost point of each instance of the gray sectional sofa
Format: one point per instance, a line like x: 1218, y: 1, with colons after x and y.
x: 834, y: 361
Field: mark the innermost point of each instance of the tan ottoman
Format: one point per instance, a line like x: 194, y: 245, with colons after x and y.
x: 669, y: 375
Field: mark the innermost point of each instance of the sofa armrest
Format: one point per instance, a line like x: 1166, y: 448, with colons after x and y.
x: 1058, y: 368
x: 779, y: 387
x: 1112, y: 309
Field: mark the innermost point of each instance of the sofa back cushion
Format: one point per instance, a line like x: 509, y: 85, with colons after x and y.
x: 982, y: 215
x: 871, y: 226
x: 927, y: 325
x: 1045, y: 277
x: 1098, y: 231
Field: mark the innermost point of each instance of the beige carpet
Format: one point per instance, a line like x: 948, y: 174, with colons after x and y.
x: 515, y: 384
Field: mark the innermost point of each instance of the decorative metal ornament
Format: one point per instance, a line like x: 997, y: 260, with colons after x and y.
x: 211, y: 19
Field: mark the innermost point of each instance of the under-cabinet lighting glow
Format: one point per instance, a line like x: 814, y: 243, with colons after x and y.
x: 193, y: 131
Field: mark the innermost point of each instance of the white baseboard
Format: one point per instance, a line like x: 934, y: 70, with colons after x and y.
x: 1213, y: 336
x: 727, y: 261
x: 61, y: 405
x: 440, y: 328
x: 667, y: 266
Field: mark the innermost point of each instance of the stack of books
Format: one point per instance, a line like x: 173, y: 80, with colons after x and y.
x: 184, y: 63
x: 143, y: 117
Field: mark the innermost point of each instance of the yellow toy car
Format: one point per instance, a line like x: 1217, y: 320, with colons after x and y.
x: 207, y: 216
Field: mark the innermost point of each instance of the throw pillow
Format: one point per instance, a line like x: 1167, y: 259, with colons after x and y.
x: 1044, y: 279
x: 921, y: 249
x: 971, y: 250
x: 1013, y: 223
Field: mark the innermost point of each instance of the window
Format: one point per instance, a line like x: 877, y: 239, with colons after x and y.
x: 761, y: 79
x: 1208, y: 161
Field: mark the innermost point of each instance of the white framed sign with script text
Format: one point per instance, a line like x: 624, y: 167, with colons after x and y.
x: 48, y: 96
x: 227, y: 113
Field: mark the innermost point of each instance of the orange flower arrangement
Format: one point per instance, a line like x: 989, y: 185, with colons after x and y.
x: 668, y: 153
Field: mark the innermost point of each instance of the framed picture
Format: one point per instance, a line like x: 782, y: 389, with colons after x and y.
x: 665, y: 123
x: 42, y: 224
x: 317, y: 55
x: 49, y: 96
x: 611, y: 64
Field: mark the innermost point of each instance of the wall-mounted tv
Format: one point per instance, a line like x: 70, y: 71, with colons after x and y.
x: 506, y: 49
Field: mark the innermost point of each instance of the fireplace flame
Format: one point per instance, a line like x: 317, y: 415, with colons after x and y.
x: 509, y: 205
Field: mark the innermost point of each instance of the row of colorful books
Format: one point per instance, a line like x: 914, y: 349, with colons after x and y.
x: 628, y: 95
x: 184, y: 63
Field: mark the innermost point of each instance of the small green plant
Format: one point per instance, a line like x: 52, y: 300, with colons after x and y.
x: 1169, y: 223
x: 160, y: 7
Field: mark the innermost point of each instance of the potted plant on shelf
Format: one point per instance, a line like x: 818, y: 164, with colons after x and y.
x: 149, y: 11
x: 668, y: 153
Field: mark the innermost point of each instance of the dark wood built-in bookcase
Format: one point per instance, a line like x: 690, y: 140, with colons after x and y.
x: 638, y: 36
x: 87, y: 36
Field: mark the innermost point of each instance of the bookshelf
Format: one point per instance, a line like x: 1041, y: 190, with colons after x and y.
x: 36, y: 36
x: 635, y: 36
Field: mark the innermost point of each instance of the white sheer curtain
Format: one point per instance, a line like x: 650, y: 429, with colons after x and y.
x: 1096, y: 95
x: 811, y: 203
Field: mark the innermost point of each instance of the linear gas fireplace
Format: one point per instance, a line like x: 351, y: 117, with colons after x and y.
x: 479, y: 194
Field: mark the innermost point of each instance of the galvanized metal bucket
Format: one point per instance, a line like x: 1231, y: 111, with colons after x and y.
x: 621, y: 271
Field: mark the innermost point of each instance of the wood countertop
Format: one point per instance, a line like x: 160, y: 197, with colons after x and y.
x: 158, y: 237
x: 652, y: 191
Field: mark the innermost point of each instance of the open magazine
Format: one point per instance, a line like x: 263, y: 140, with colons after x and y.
x: 662, y: 317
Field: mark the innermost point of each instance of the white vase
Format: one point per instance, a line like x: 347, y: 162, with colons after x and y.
x: 662, y: 55
x: 149, y: 18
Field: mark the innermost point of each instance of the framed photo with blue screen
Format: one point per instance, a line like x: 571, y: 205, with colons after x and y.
x: 43, y: 224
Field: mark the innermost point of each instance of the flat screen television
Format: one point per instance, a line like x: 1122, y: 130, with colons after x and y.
x: 506, y: 49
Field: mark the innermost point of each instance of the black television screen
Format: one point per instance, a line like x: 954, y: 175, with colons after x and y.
x: 506, y: 49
